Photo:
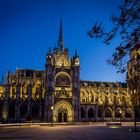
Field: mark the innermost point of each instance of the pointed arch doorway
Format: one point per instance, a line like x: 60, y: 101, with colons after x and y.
x: 63, y: 112
x: 62, y: 115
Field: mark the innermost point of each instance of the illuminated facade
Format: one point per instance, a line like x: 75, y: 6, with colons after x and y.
x: 58, y: 94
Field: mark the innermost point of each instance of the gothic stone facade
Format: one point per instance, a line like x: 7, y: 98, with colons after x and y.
x: 57, y: 94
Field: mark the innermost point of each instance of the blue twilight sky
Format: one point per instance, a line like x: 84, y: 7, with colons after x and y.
x: 29, y: 27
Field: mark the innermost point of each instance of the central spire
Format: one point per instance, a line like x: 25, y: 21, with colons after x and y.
x: 60, y: 41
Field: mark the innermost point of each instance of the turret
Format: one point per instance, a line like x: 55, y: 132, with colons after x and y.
x: 76, y: 61
x: 49, y: 58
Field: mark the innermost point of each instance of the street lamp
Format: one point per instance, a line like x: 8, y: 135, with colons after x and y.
x: 52, y: 115
x: 120, y: 115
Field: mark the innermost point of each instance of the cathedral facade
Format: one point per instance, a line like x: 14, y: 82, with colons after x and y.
x: 57, y: 94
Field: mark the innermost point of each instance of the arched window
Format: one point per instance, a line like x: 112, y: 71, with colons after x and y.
x: 35, y: 111
x: 23, y: 111
x: 11, y: 111
x: 82, y: 113
x: 62, y: 80
x: 90, y: 113
x: 108, y: 112
x: 118, y: 113
x: 128, y: 113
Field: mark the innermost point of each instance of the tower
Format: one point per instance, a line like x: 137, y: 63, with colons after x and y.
x: 133, y: 78
x: 76, y: 86
x: 62, y: 84
x: 50, y: 70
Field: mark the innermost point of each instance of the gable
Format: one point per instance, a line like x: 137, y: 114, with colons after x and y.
x: 63, y: 60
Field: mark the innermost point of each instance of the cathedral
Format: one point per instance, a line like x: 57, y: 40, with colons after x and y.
x: 57, y: 94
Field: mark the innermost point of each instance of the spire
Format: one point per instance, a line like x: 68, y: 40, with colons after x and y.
x: 60, y: 41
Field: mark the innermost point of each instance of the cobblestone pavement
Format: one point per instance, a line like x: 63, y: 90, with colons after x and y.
x: 74, y: 132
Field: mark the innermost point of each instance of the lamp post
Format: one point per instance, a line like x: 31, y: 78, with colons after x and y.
x: 120, y: 115
x: 52, y: 116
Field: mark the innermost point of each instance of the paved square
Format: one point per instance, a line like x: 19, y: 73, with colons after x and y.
x: 74, y: 132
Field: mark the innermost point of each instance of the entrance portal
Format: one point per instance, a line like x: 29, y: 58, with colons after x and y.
x: 62, y: 117
x: 62, y: 112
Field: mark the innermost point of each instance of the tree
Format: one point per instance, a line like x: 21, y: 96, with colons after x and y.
x: 127, y: 26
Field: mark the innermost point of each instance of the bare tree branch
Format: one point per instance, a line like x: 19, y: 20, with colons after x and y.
x: 127, y: 26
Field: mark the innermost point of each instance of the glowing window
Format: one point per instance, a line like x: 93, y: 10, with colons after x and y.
x: 62, y: 80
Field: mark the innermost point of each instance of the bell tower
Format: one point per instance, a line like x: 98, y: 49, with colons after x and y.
x: 62, y: 97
